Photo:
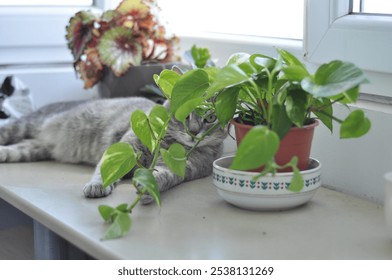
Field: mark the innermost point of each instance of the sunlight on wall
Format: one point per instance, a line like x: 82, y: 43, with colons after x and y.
x: 278, y: 18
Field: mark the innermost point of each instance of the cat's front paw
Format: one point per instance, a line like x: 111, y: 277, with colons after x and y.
x: 146, y: 199
x: 95, y: 190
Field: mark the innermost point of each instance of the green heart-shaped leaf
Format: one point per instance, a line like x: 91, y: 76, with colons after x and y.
x: 143, y: 178
x: 296, y: 108
x: 334, y: 78
x: 106, y: 212
x: 355, y: 125
x: 141, y: 126
x: 297, y: 182
x: 226, y: 104
x: 158, y: 118
x: 117, y: 161
x: 191, y: 85
x: 119, y: 227
x: 166, y: 81
x: 229, y: 76
x: 258, y: 147
x: 175, y: 159
x: 280, y: 122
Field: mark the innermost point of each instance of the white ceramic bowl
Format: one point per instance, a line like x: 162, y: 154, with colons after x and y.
x: 268, y: 192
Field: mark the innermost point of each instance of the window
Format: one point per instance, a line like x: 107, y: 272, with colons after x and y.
x: 277, y: 18
x: 46, y: 3
x: 33, y: 32
x: 372, y: 6
x: 332, y: 32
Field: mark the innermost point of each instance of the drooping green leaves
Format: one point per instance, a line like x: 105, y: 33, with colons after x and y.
x: 200, y: 56
x: 119, y: 227
x: 291, y: 61
x: 166, y: 81
x: 334, y: 78
x: 158, y: 118
x: 141, y: 127
x: 192, y: 85
x: 144, y: 179
x: 261, y: 62
x: 149, y: 128
x: 297, y: 182
x: 280, y: 122
x: 258, y: 147
x: 106, y: 212
x: 117, y: 161
x: 183, y: 112
x: 175, y: 159
x: 355, y: 125
x: 242, y: 60
x: 118, y: 218
x: 229, y: 76
x: 296, y: 107
x: 226, y: 104
x: 295, y: 73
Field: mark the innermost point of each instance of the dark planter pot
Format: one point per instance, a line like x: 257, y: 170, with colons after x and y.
x: 297, y: 142
x: 132, y: 82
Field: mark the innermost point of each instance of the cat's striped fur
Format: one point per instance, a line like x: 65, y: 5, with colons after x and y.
x: 80, y: 132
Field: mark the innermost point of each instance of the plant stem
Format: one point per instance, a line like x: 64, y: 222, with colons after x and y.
x: 136, y: 201
x: 201, y: 138
x: 331, y: 116
x: 158, y: 143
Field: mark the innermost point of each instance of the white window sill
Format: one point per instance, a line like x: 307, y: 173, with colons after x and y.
x: 331, y: 226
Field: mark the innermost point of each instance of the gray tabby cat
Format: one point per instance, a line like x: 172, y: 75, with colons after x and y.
x: 80, y: 132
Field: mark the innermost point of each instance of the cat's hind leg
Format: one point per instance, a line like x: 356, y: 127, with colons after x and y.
x: 25, y: 151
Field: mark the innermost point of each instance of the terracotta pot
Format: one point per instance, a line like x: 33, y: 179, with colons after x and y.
x: 297, y: 142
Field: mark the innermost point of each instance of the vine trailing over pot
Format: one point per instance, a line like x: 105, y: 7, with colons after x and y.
x: 120, y: 158
x: 127, y: 36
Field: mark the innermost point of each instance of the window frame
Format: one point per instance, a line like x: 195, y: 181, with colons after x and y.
x: 330, y: 31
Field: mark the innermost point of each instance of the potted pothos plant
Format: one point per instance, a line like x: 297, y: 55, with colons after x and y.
x: 272, y: 95
x: 127, y: 41
x: 274, y: 99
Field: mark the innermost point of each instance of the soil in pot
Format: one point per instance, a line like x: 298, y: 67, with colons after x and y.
x: 297, y: 142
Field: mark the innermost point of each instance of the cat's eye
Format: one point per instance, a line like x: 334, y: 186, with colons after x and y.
x: 210, y: 118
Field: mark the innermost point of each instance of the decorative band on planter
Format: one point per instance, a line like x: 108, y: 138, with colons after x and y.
x: 266, y: 193
x: 297, y: 142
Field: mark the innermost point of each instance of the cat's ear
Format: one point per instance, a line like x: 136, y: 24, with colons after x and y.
x: 7, y: 88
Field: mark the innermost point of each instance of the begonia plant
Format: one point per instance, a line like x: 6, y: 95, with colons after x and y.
x: 130, y: 35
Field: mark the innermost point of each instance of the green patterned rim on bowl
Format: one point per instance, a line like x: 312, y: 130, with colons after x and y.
x: 268, y: 192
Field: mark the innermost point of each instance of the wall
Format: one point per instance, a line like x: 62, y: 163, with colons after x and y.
x: 49, y: 84
x: 357, y: 166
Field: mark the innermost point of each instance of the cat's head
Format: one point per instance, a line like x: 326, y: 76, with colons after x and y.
x: 196, y: 126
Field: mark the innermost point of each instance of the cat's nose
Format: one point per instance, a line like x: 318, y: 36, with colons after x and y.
x: 194, y: 129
